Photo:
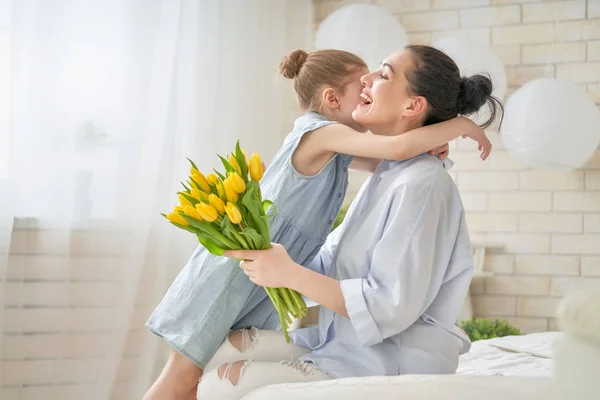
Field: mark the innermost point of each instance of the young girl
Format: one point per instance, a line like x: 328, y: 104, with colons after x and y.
x: 307, y: 180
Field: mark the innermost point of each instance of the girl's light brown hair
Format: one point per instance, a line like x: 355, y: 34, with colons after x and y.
x: 317, y: 70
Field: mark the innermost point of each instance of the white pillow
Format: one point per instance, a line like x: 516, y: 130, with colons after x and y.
x: 536, y: 344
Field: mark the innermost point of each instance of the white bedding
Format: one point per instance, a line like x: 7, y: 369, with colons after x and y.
x: 527, y: 355
x: 526, y: 360
x: 413, y: 387
x: 528, y: 367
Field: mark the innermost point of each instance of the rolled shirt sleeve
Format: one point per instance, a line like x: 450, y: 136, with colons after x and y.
x: 359, y: 313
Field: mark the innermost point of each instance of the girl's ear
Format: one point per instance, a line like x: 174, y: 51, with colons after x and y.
x: 330, y: 99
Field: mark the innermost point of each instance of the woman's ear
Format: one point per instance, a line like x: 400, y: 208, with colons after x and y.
x: 415, y: 107
x: 330, y: 99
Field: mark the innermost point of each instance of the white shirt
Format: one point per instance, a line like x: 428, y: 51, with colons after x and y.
x: 404, y: 259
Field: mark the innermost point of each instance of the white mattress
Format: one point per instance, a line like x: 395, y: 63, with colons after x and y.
x: 413, y: 387
x: 526, y: 361
x: 528, y: 355
x: 517, y: 368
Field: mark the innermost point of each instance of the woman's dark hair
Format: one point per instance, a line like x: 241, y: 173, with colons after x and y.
x: 437, y: 78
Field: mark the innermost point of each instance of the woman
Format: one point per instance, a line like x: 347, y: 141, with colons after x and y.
x: 307, y: 179
x: 392, y: 278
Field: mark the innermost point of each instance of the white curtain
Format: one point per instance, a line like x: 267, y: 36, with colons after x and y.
x: 107, y: 100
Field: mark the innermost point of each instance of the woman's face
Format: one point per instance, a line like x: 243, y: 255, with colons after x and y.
x: 385, y: 95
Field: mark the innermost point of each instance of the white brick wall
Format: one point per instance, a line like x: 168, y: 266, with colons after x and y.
x: 431, y: 21
x: 479, y: 17
x: 553, y: 11
x: 590, y: 266
x: 62, y: 295
x: 554, y: 53
x: 522, y: 34
x: 549, y: 223
x: 593, y: 8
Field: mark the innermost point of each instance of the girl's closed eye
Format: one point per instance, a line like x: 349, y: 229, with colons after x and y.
x: 383, y: 76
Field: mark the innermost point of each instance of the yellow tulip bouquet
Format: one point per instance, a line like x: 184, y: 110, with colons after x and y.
x: 227, y: 212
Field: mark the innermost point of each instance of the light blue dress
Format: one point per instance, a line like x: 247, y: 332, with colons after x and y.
x: 212, y: 295
x: 403, y: 258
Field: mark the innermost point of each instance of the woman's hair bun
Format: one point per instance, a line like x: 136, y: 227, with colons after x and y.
x: 475, y: 91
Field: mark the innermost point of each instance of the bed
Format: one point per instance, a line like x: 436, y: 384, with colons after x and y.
x: 528, y: 355
x: 497, y: 367
x: 539, y: 366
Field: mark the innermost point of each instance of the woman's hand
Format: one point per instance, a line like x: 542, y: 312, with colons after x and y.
x: 441, y: 151
x: 268, y: 268
x: 274, y: 268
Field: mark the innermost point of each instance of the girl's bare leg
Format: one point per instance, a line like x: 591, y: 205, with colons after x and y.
x: 177, y: 381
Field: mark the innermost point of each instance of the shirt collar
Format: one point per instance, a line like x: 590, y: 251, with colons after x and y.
x: 386, y: 164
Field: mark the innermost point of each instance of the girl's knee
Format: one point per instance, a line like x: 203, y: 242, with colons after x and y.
x: 232, y: 349
x: 232, y: 371
x: 221, y: 383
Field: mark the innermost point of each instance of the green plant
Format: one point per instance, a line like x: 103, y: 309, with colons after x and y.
x: 340, y: 217
x: 484, y: 328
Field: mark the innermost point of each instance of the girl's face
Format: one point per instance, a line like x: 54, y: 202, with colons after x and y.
x: 386, y: 99
x: 349, y: 100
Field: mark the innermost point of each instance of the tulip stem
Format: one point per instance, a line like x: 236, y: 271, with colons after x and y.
x: 240, y: 239
x: 288, y: 301
x: 299, y: 301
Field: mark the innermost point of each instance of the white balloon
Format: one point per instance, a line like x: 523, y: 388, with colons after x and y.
x: 363, y: 29
x: 551, y: 125
x: 475, y: 58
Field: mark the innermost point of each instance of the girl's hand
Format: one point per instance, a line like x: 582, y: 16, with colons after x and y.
x: 477, y: 134
x: 485, y: 146
x: 441, y: 151
x: 269, y: 268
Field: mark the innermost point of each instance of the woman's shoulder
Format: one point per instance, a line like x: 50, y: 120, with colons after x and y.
x: 421, y: 175
x: 419, y: 170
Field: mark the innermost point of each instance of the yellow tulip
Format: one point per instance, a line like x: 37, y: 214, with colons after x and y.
x: 221, y: 190
x: 234, y: 214
x: 190, y: 211
x: 183, y: 201
x: 234, y: 164
x: 212, y: 179
x: 237, y: 183
x: 196, y: 193
x: 216, y: 202
x: 208, y: 212
x: 245, y: 156
x: 176, y: 218
x: 230, y: 192
x: 199, y: 179
x: 255, y: 167
x: 177, y: 209
x: 204, y: 197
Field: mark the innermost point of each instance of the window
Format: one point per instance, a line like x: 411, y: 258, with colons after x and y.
x: 93, y: 163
